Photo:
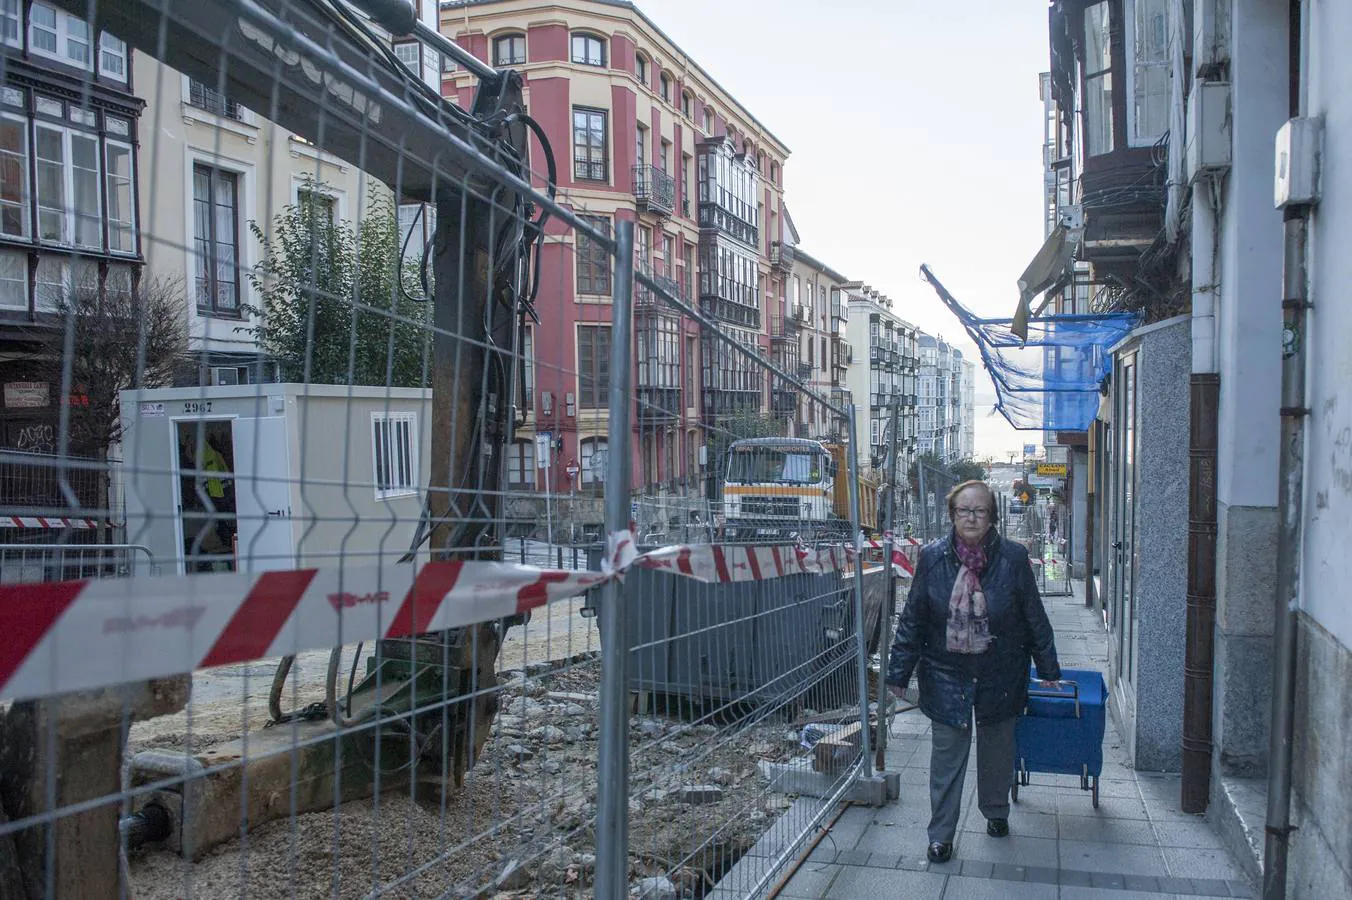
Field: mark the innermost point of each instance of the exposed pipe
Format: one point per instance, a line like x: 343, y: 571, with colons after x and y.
x: 1173, y: 211
x: 1203, y: 436
x: 151, y: 823
x: 1290, y: 499
x: 1295, y: 301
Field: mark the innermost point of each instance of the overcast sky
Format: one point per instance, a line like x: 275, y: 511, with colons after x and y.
x: 915, y: 132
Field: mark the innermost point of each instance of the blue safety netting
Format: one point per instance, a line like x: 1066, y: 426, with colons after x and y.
x: 1050, y: 381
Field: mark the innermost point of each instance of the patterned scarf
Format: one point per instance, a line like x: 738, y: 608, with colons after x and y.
x: 968, y: 625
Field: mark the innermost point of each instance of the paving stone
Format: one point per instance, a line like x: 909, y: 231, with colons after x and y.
x: 1147, y: 883
x: 852, y: 884
x: 1106, y: 831
x: 1197, y: 834
x: 963, y: 888
x: 810, y: 882
x: 976, y: 868
x: 1190, y: 862
x: 1042, y: 874
x: 1093, y: 856
x: 1108, y: 880
x: 823, y: 853
x: 1014, y: 850
x: 853, y: 857
x: 1074, y: 878
x: 1007, y: 872
x: 1210, y: 887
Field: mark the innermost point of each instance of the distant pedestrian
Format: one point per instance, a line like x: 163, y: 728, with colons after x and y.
x: 972, y: 620
x: 1052, y: 521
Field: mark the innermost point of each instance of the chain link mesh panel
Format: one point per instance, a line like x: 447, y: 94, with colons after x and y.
x: 343, y: 416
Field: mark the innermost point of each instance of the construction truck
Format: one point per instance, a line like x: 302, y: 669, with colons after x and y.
x: 782, y: 488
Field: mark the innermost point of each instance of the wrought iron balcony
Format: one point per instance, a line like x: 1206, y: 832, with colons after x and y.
x: 781, y: 256
x: 725, y: 402
x: 644, y: 297
x: 654, y: 190
x: 804, y: 371
x: 730, y: 311
x: 715, y: 218
x: 783, y: 401
x: 785, y: 329
x: 658, y: 403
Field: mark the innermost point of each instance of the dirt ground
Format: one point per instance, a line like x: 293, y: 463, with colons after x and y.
x: 229, y: 700
x: 522, y: 824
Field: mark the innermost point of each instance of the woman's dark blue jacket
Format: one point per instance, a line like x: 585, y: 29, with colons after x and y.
x: 995, y: 682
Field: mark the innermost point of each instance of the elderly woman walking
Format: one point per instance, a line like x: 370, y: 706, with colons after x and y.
x: 972, y: 621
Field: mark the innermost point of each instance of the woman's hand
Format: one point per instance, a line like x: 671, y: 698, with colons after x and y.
x: 1052, y: 684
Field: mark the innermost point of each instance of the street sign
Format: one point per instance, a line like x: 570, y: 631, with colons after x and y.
x: 1053, y: 469
x: 544, y: 442
x: 1030, y: 449
x: 572, y: 469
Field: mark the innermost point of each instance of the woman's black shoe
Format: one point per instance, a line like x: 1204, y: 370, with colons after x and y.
x: 940, y: 853
x: 997, y: 827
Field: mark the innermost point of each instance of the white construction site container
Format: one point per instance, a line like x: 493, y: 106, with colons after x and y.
x: 309, y: 474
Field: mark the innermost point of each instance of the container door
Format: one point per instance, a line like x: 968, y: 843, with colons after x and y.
x: 263, y: 495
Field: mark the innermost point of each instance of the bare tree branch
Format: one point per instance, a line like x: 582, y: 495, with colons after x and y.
x: 109, y: 340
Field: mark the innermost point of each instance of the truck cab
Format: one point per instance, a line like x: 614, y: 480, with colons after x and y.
x: 781, y: 488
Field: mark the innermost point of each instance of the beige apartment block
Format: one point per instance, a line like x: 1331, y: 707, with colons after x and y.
x: 211, y: 168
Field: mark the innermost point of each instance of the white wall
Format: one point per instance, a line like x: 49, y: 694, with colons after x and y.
x: 1327, y: 565
x: 1251, y: 263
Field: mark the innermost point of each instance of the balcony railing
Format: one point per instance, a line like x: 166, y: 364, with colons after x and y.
x: 658, y: 403
x: 730, y: 311
x: 645, y: 298
x: 804, y: 371
x: 785, y: 328
x: 722, y: 402
x: 783, y: 402
x: 654, y: 190
x: 781, y: 256
x: 212, y: 101
x: 713, y: 216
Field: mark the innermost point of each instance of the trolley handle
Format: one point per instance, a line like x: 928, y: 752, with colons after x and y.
x: 1050, y: 693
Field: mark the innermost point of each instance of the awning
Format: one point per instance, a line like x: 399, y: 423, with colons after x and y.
x: 1048, y: 378
x: 1045, y: 270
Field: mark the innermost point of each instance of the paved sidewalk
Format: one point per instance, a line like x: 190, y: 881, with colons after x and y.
x: 1137, y: 844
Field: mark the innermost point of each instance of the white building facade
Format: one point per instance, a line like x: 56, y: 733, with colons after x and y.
x: 967, y: 436
x: 883, y: 371
x: 213, y: 168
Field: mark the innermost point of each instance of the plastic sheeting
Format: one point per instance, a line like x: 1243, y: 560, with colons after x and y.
x: 1052, y: 380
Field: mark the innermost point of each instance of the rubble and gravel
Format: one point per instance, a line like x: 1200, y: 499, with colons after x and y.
x: 522, y: 826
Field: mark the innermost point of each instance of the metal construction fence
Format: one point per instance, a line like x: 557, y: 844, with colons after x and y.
x: 1031, y: 525
x: 464, y: 553
x: 931, y: 502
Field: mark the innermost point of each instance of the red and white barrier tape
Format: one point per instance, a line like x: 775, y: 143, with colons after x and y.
x: 78, y: 635
x: 904, y: 552
x: 45, y: 522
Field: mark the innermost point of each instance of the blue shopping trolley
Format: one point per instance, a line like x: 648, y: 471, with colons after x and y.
x: 1061, y: 730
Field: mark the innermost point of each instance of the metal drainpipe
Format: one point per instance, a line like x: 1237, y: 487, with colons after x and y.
x: 1199, y: 659
x: 1295, y: 301
x: 1290, y: 493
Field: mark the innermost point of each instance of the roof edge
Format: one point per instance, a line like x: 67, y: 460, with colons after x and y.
x: 633, y: 7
